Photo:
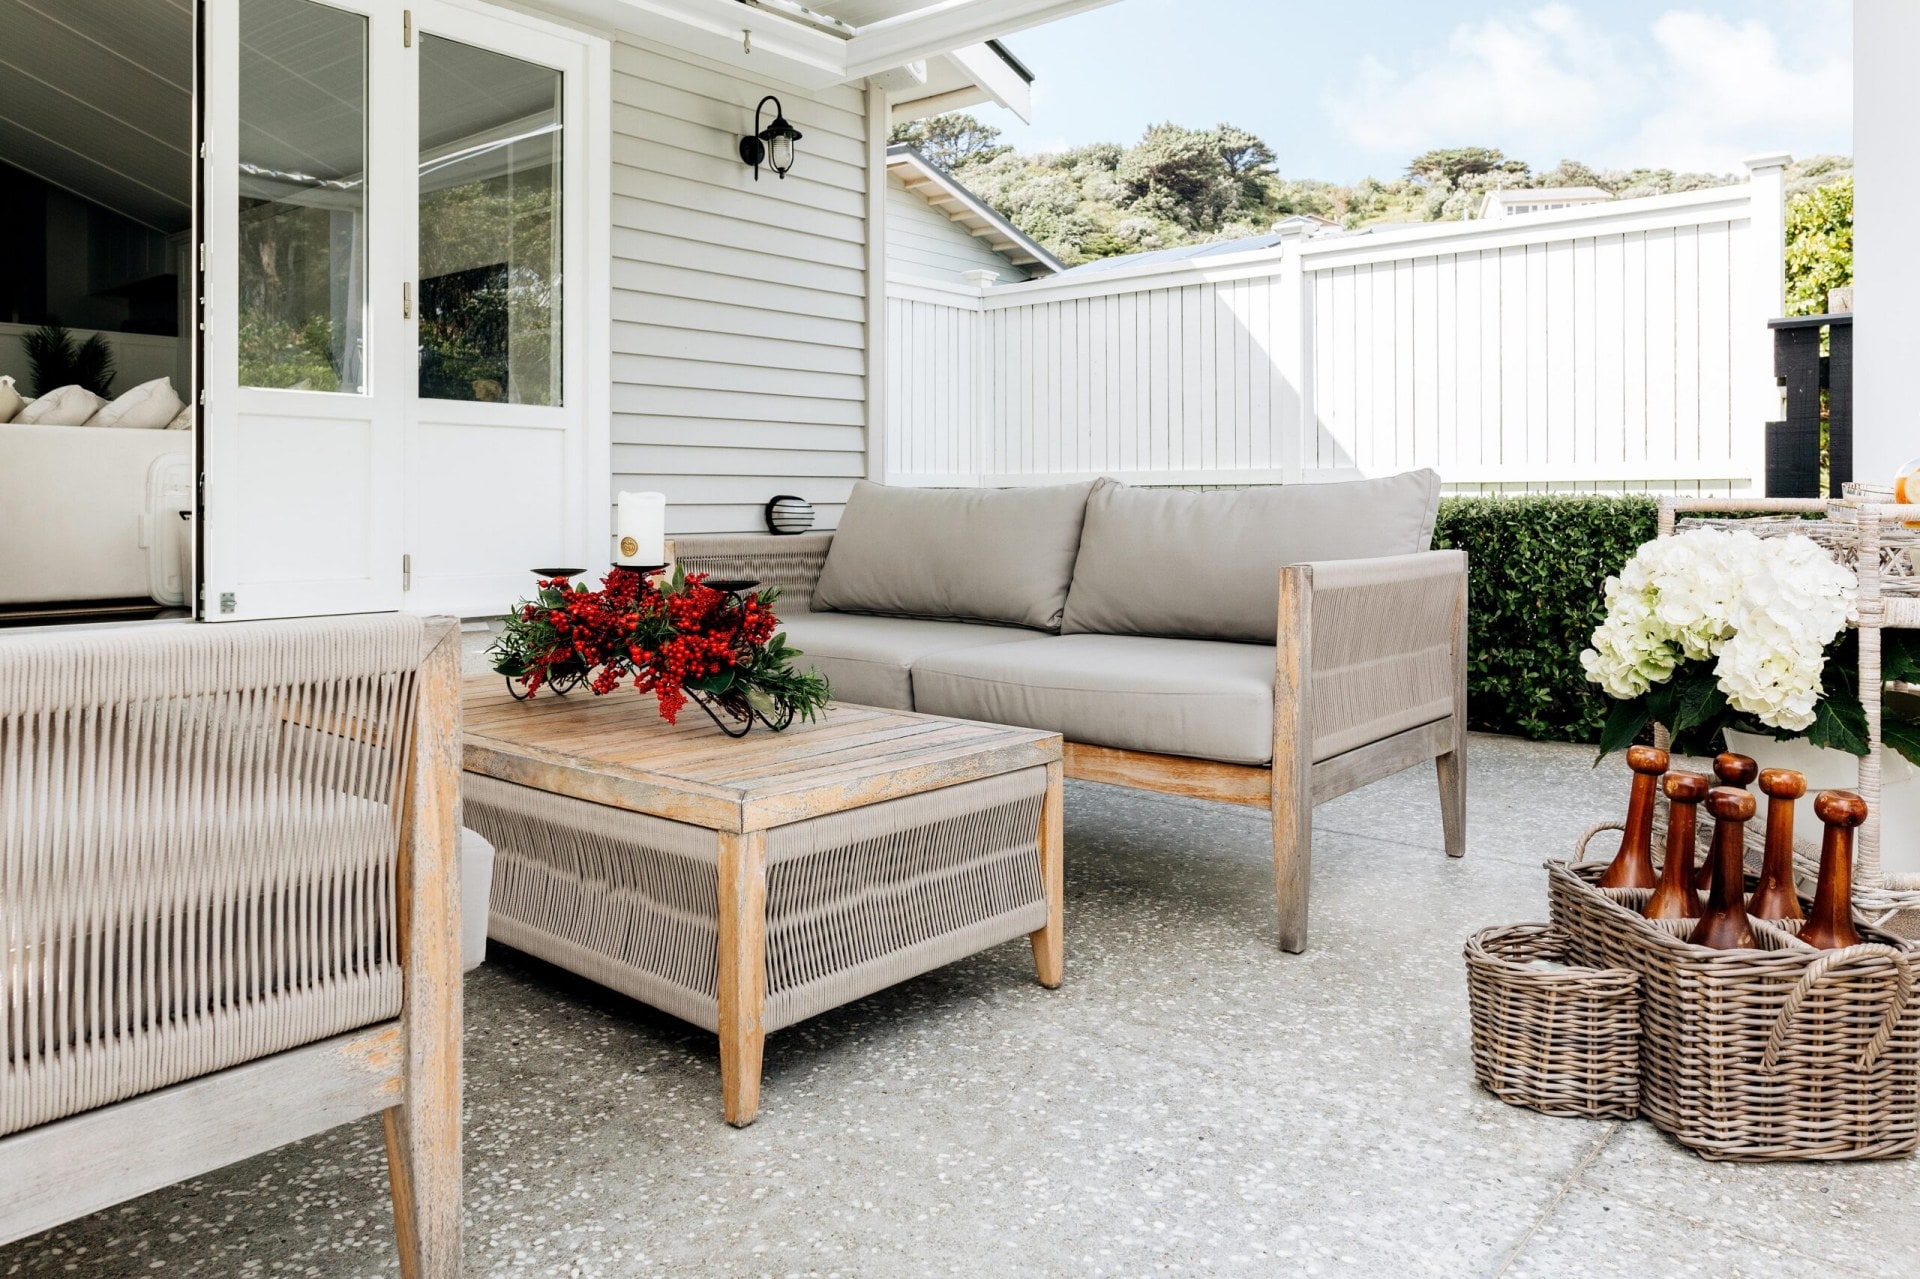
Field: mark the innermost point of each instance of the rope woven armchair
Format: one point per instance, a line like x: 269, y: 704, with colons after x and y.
x: 229, y: 909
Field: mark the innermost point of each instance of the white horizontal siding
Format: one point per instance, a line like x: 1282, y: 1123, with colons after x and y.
x: 739, y: 307
x: 925, y: 244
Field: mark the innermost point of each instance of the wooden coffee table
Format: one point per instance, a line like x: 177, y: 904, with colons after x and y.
x: 744, y: 885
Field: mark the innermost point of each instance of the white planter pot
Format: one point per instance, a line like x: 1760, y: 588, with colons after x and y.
x: 1828, y: 769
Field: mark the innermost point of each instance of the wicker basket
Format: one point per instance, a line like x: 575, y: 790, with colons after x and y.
x: 1563, y: 1042
x: 1779, y: 1052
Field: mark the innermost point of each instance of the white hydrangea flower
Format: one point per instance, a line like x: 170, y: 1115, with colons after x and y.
x: 1763, y: 609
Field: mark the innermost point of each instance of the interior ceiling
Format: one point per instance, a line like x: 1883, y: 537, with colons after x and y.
x: 96, y: 97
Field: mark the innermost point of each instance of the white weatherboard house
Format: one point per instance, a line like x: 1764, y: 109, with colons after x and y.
x: 1504, y: 203
x: 451, y: 274
x: 433, y: 280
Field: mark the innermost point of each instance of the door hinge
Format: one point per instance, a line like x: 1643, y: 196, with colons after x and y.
x: 203, y: 256
x: 406, y: 572
x: 406, y: 301
x: 406, y: 28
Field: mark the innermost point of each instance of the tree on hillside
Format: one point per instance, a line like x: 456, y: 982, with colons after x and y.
x: 1180, y: 174
x: 1451, y: 164
x: 1819, y: 245
x: 1244, y: 154
x: 952, y: 140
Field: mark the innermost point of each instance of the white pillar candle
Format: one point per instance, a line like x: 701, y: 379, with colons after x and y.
x: 641, y: 529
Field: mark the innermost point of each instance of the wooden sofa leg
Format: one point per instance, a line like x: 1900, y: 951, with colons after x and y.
x: 1452, y: 768
x: 426, y: 1188
x: 1292, y: 870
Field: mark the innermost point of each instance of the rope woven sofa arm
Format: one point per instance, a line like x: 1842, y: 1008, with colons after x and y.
x: 790, y: 562
x: 1385, y: 637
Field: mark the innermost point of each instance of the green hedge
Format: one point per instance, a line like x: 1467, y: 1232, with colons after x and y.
x: 1538, y: 565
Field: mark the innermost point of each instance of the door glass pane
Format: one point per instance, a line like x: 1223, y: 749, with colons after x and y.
x: 489, y: 226
x: 303, y: 196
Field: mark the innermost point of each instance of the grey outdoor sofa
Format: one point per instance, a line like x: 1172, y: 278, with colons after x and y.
x: 1274, y: 647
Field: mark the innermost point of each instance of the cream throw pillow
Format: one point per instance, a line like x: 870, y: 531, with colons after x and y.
x: 62, y: 406
x: 10, y: 401
x: 149, y: 406
x: 182, y: 421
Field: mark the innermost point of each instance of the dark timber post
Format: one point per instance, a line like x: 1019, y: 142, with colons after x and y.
x: 1793, y: 445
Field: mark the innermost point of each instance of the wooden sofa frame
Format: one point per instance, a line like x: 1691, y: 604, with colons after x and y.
x: 1294, y: 783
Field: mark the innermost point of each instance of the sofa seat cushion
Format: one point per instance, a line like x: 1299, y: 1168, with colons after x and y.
x: 869, y: 660
x: 1157, y: 561
x: 1001, y: 556
x: 1203, y: 698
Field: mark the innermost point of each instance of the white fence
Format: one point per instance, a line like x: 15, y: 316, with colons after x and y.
x: 1617, y: 346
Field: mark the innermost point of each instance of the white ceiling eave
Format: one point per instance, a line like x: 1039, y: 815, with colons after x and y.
x: 806, y: 56
x: 945, y: 27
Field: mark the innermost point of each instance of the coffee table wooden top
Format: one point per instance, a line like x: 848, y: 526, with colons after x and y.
x: 616, y: 750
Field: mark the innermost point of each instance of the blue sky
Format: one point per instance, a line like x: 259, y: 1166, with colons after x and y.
x: 1346, y: 88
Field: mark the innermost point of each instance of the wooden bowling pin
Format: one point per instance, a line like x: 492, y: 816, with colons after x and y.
x: 1830, y: 925
x: 1673, y: 897
x: 1736, y: 770
x: 1774, y: 896
x: 1632, y: 866
x: 1724, y: 924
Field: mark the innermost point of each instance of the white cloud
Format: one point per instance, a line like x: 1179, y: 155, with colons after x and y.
x: 1543, y: 72
x: 1724, y: 90
x: 1693, y: 90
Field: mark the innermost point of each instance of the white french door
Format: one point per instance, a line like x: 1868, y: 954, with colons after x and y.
x: 498, y: 460
x: 400, y: 333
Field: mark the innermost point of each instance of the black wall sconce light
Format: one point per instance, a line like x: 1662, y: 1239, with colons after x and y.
x: 771, y: 146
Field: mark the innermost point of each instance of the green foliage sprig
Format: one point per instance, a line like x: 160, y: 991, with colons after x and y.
x: 1819, y: 245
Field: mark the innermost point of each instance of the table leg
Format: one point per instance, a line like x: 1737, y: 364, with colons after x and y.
x: 1049, y: 943
x: 742, y: 971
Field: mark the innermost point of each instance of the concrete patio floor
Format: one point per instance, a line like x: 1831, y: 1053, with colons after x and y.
x: 1191, y: 1101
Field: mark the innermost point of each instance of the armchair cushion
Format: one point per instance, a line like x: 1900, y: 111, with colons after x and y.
x: 1201, y: 698
x: 870, y: 660
x: 980, y: 555
x: 1207, y: 565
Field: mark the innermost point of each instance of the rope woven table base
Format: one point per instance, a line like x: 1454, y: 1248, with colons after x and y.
x: 856, y: 901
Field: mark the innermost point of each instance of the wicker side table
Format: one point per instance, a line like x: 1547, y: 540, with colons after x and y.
x: 746, y: 885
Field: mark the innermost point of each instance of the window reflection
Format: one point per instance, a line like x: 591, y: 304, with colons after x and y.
x: 490, y: 232
x: 303, y: 196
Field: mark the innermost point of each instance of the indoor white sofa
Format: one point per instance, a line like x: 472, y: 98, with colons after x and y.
x: 84, y: 515
x: 1273, y: 646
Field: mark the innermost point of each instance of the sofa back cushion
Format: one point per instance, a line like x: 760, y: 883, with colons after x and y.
x: 982, y: 555
x: 1207, y: 565
x: 62, y: 406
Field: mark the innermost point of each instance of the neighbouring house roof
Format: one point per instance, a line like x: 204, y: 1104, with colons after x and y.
x: 1180, y: 253
x: 1497, y: 201
x: 944, y: 192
